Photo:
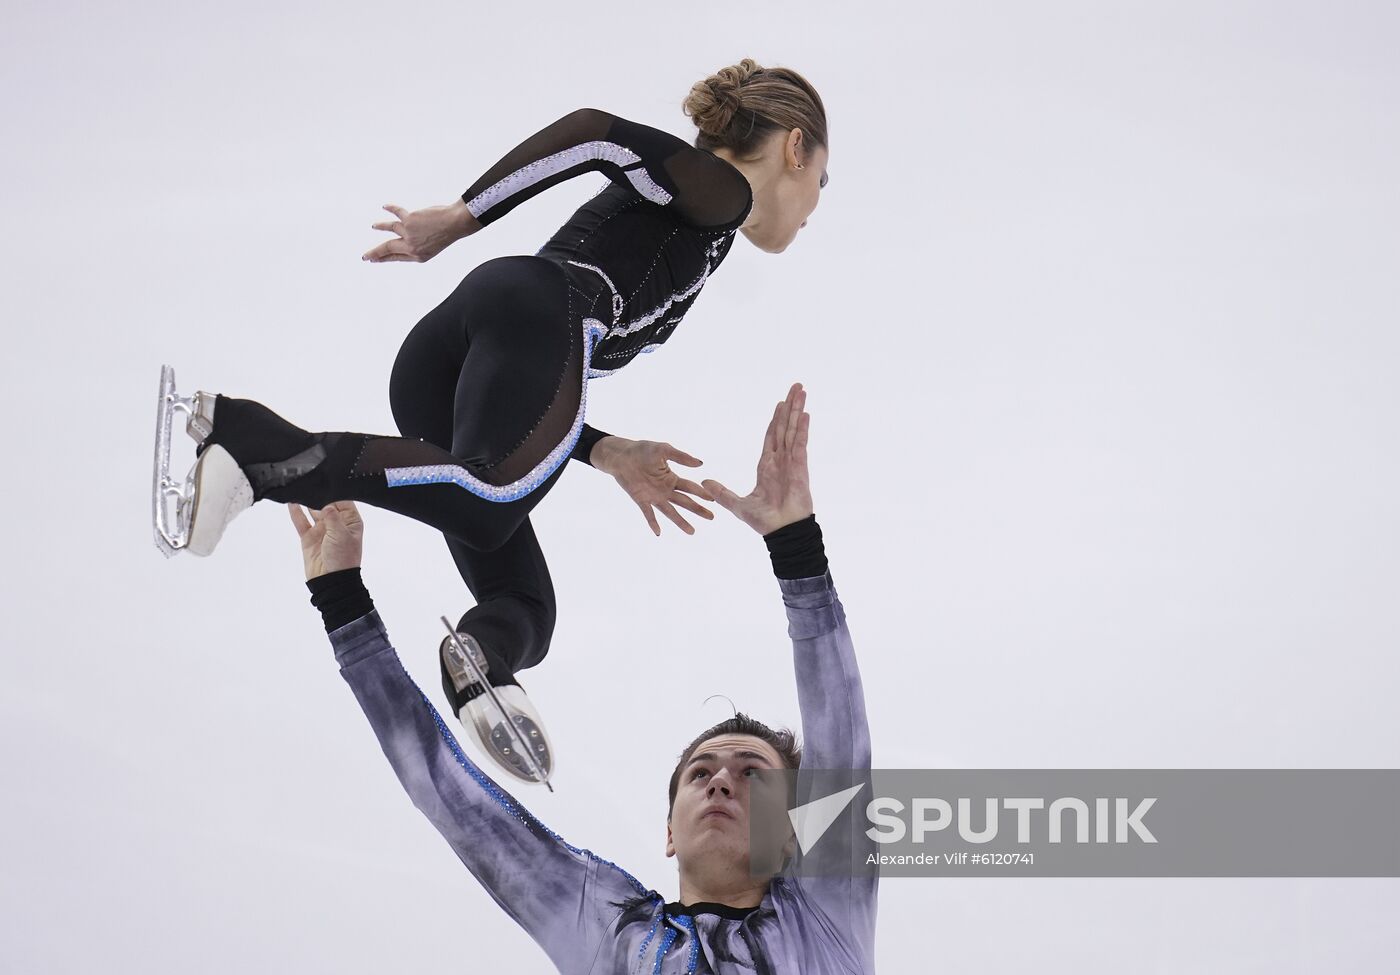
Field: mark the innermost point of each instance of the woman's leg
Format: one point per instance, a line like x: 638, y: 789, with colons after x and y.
x: 515, y: 407
x: 513, y: 619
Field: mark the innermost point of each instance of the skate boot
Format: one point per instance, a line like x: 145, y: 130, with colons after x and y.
x: 501, y: 720
x: 192, y: 515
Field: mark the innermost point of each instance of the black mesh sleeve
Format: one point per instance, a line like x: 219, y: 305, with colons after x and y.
x: 703, y: 190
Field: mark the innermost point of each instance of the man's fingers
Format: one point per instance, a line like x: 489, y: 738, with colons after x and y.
x: 690, y: 487
x: 393, y: 226
x: 797, y: 399
x: 799, y: 445
x: 651, y: 518
x: 675, y: 516
x: 770, y: 438
x: 299, y: 519
x: 397, y: 211
x: 722, y: 495
x: 349, y: 514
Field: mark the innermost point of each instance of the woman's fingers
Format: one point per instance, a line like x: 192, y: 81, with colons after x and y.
x: 691, y: 505
x: 675, y: 516
x: 651, y: 518
x: 391, y: 250
x: 681, y: 457
x: 690, y: 487
x: 393, y: 226
x: 397, y: 211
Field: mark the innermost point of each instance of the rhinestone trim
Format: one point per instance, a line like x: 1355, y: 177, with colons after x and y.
x: 552, y: 165
x: 501, y: 493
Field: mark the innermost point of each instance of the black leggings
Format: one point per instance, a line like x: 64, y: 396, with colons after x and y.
x: 491, y: 380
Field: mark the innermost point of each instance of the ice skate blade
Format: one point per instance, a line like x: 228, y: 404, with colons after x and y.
x: 169, y: 501
x: 501, y: 720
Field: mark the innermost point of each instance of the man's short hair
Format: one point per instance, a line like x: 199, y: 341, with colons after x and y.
x: 784, y: 742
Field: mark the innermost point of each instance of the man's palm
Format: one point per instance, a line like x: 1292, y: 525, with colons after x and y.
x: 782, y: 491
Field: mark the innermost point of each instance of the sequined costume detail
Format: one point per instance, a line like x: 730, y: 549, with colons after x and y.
x: 459, y: 475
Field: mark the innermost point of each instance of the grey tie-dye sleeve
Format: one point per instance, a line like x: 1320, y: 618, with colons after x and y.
x: 566, y: 898
x: 835, y: 735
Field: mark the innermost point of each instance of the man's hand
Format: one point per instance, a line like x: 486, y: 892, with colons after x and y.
x: 783, y: 492
x: 422, y: 234
x: 333, y: 539
x: 642, y: 468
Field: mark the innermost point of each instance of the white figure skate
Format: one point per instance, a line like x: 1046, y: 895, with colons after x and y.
x: 192, y: 515
x: 501, y: 720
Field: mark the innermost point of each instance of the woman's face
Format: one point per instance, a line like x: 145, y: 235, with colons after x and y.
x: 787, y: 182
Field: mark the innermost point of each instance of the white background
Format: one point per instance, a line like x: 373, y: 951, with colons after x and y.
x: 1098, y: 314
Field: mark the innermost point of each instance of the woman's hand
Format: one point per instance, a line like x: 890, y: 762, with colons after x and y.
x: 332, y: 540
x: 783, y: 491
x: 642, y: 468
x: 422, y: 234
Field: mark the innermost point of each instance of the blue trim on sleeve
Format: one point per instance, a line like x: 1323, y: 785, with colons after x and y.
x: 506, y: 802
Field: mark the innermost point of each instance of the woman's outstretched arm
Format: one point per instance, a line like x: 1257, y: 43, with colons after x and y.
x: 702, y: 189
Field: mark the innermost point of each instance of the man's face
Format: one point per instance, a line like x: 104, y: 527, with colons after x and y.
x: 710, y: 818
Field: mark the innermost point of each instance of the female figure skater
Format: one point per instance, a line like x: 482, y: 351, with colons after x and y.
x: 489, y: 389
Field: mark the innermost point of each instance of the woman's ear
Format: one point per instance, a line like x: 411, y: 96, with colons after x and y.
x: 795, y: 149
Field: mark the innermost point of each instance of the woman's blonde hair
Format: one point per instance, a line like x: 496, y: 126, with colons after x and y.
x: 738, y: 107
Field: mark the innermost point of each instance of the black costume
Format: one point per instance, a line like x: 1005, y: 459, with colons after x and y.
x: 489, y: 389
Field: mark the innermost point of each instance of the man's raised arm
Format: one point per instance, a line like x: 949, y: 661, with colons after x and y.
x: 835, y: 731
x: 564, y: 897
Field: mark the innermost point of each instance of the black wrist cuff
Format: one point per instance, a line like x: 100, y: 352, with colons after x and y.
x: 341, y: 597
x: 583, y: 450
x: 796, y: 550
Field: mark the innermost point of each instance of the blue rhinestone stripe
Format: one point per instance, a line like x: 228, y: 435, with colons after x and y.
x: 504, y: 800
x: 651, y: 933
x: 460, y: 476
x: 688, y: 922
x: 662, y: 948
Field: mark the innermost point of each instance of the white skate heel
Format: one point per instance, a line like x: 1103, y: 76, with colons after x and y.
x: 192, y: 515
x: 501, y: 720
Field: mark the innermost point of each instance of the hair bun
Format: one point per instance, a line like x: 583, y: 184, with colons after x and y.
x: 714, y: 102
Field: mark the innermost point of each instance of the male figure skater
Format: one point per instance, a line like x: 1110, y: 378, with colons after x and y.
x: 589, y: 915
